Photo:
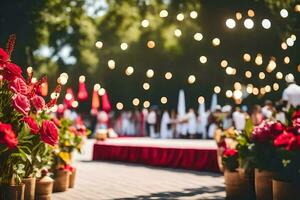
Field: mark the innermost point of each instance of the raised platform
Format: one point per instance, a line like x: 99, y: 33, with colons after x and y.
x: 175, y: 153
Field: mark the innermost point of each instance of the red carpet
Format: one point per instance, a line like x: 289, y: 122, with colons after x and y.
x: 149, y: 153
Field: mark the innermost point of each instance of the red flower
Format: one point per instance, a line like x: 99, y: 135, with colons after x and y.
x: 69, y: 168
x: 11, y: 71
x: 21, y: 103
x: 287, y: 140
x: 38, y: 102
x: 49, y: 133
x: 19, y: 86
x: 230, y: 152
x: 277, y: 128
x: 7, y: 136
x: 4, y: 57
x: 296, y: 115
x: 34, y: 127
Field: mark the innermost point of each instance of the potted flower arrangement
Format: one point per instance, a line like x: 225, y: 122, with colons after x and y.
x: 21, y: 135
x: 71, y: 139
x: 286, y: 181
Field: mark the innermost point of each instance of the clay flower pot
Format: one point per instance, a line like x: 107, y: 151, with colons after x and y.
x: 263, y: 185
x: 72, y: 179
x: 43, y: 188
x: 285, y: 190
x: 233, y: 187
x: 12, y: 192
x: 29, y: 188
x: 247, y: 184
x: 61, y: 180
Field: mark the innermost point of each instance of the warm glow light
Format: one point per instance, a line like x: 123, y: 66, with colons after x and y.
x: 293, y: 37
x: 238, y: 16
x: 150, y: 73
x: 193, y: 14
x: 279, y: 75
x: 284, y: 46
x: 255, y: 91
x: 74, y: 104
x: 101, y: 91
x: 298, y: 68
x: 271, y: 65
x: 266, y: 23
x: 217, y: 89
x: 97, y: 86
x: 146, y: 104
x: 29, y: 70
x: 124, y: 46
x: 180, y: 17
x: 216, y: 41
x: 289, y: 78
x: 237, y: 86
x: 99, y: 44
x: 258, y: 59
x: 247, y: 57
x: 119, y: 106
x: 177, y: 32
x: 129, y: 71
x: 290, y: 42
x: 224, y: 63
x: 191, y: 79
x: 198, y: 36
x: 249, y: 89
x: 268, y: 88
x: 284, y: 13
x: 237, y: 94
x: 262, y: 91
x: 230, y: 23
x: 229, y: 71
x: 145, y: 23
x: 111, y: 64
x: 261, y: 75
x: 286, y: 60
x: 135, y: 102
x: 163, y: 100
x: 63, y: 78
x: 163, y: 13
x: 146, y: 86
x: 81, y: 78
x: 248, y: 23
x: 248, y: 74
x: 203, y: 59
x: 251, y: 13
x: 275, y: 86
x: 151, y: 44
x: 229, y: 94
x: 201, y: 100
x: 297, y: 8
x: 168, y: 75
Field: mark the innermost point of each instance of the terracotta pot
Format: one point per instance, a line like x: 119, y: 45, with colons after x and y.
x: 285, y: 190
x: 29, y: 188
x: 72, y: 179
x: 43, y: 188
x: 263, y: 185
x: 247, y: 184
x: 61, y: 180
x: 12, y: 192
x: 233, y: 187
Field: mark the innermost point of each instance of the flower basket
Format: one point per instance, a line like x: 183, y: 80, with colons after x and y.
x: 29, y: 188
x: 232, y: 185
x: 61, y: 180
x: 43, y: 188
x: 72, y: 178
x: 283, y: 190
x: 12, y: 192
x: 263, y: 185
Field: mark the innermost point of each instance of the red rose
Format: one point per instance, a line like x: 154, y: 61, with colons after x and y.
x: 277, y: 128
x: 21, y: 103
x: 230, y: 152
x: 38, y: 102
x: 49, y: 133
x: 12, y: 71
x: 296, y: 115
x: 7, y: 136
x: 286, y: 140
x: 34, y: 127
x: 4, y: 57
x: 19, y: 86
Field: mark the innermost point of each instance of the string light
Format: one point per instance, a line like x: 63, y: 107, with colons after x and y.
x: 124, y: 46
x: 224, y: 63
x: 266, y: 24
x: 237, y: 94
x: 201, y: 100
x: 248, y: 23
x: 228, y: 93
x: 279, y: 75
x: 297, y: 8
x: 97, y: 86
x: 151, y: 44
x: 216, y: 42
x: 82, y: 79
x: 258, y: 59
x: 119, y: 106
x: 248, y: 74
x: 230, y: 23
x: 290, y: 42
x: 251, y: 13
x: 193, y: 14
x: 284, y: 13
x: 237, y: 86
x: 163, y: 100
x: 146, y: 104
x: 99, y: 44
x: 286, y: 60
x: 198, y: 36
x: 238, y: 16
x: 145, y: 23
x: 168, y: 75
x: 268, y: 88
x: 261, y: 75
x: 275, y: 86
x: 163, y: 13
x: 249, y: 88
x: 298, y: 68
x: 289, y: 77
x: 129, y: 71
x: 255, y: 91
x: 203, y: 59
x: 150, y: 73
x: 284, y: 46
x: 111, y: 64
x: 180, y: 17
x: 293, y: 37
x: 247, y: 57
x: 191, y: 79
x: 146, y: 86
x: 177, y: 32
x: 271, y: 65
x: 135, y: 102
x: 217, y: 89
x: 101, y: 91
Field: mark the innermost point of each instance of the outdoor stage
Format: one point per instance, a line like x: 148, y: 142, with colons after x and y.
x: 198, y: 155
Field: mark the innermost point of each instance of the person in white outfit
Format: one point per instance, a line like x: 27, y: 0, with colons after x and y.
x: 239, y: 119
x: 165, y: 126
x: 291, y: 95
x: 192, y: 123
x: 152, y: 120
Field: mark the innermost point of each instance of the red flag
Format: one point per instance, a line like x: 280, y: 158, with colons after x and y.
x: 106, y: 106
x: 69, y: 98
x: 82, y: 92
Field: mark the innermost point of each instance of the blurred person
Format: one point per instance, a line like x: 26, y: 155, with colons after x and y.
x: 173, y: 120
x: 227, y: 119
x: 256, y: 115
x: 268, y: 109
x: 239, y: 119
x: 291, y: 95
x: 280, y: 114
x: 192, y: 123
x: 214, y: 122
x: 151, y: 121
x: 165, y: 126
